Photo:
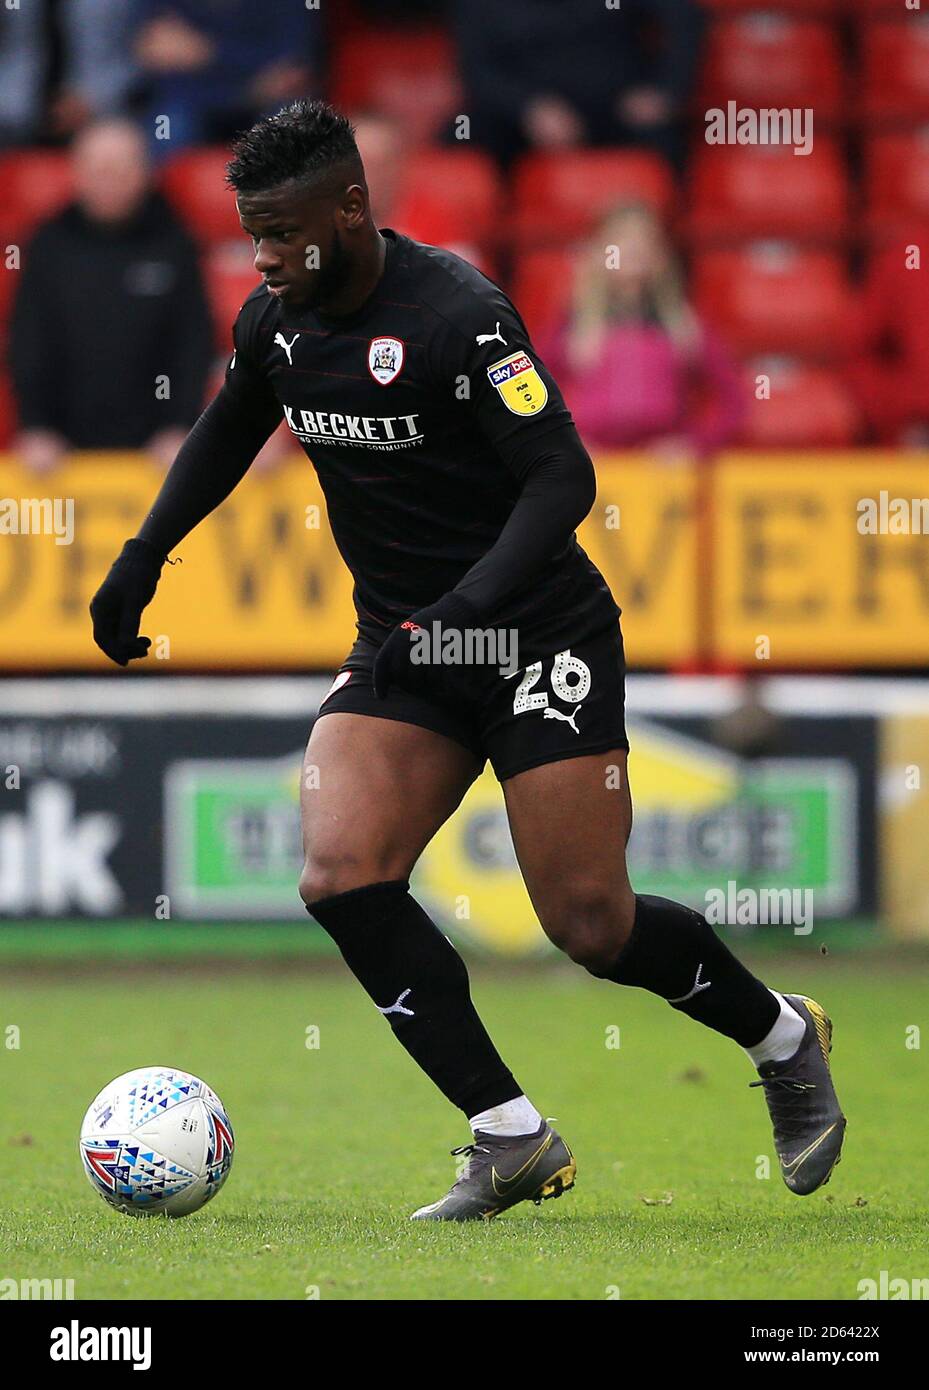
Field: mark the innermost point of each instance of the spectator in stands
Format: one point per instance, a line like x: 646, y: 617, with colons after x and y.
x: 214, y: 67
x: 638, y: 368
x: 889, y: 349
x: 95, y: 75
x: 111, y: 340
x: 545, y: 74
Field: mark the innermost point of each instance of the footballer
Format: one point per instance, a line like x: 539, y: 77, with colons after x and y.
x: 454, y: 481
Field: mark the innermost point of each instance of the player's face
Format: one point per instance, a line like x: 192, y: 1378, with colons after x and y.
x: 303, y: 240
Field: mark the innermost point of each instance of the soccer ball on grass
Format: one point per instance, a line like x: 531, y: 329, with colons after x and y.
x: 157, y: 1142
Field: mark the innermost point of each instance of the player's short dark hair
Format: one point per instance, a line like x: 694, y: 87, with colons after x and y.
x: 300, y: 144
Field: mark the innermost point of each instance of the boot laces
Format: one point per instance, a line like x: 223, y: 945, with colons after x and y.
x: 787, y: 1102
x: 786, y: 1083
x: 471, y: 1150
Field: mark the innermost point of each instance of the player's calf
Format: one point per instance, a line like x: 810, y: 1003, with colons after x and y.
x: 675, y: 953
x: 419, y: 983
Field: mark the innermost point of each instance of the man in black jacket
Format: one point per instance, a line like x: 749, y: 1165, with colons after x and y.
x: 111, y: 337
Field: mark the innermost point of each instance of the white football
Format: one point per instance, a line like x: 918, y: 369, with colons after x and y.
x: 157, y: 1142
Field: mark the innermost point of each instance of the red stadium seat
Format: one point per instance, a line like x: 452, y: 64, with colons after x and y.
x: 773, y: 60
x: 459, y: 194
x: 894, y: 81
x: 763, y: 191
x: 897, y: 183
x: 407, y: 73
x: 35, y: 183
x: 8, y: 284
x: 775, y: 297
x: 8, y: 421
x: 195, y: 184
x: 559, y: 197
x: 809, y: 407
x: 542, y: 288
x: 230, y: 278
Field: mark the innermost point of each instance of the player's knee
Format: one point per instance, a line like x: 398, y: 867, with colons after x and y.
x: 326, y: 875
x: 326, y: 878
x: 591, y: 925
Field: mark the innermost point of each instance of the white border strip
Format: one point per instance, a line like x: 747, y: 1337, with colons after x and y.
x: 284, y: 696
x: 154, y: 696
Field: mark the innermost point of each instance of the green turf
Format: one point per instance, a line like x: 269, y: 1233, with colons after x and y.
x: 337, y: 1145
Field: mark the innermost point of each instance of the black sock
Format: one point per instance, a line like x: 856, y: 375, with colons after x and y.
x: 673, y: 951
x: 414, y: 972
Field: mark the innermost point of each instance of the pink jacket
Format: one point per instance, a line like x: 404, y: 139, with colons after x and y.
x: 643, y: 388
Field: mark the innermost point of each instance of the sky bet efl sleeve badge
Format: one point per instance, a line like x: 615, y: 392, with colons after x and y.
x: 521, y: 388
x: 385, y: 359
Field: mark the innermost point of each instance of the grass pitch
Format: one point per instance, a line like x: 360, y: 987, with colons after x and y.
x: 336, y: 1145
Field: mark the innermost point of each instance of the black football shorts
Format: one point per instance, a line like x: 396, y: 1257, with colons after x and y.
x: 564, y: 706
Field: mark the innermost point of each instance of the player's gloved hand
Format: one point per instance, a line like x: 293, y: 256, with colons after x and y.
x: 395, y: 663
x: 116, y: 607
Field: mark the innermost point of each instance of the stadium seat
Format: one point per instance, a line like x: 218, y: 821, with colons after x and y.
x: 740, y: 192
x: 558, y: 197
x: 809, y: 407
x: 8, y: 282
x: 542, y: 286
x: 8, y: 422
x: 195, y: 183
x: 35, y: 183
x: 230, y: 278
x: 773, y: 60
x: 407, y: 73
x: 894, y: 79
x: 775, y: 297
x: 897, y: 182
x: 459, y: 194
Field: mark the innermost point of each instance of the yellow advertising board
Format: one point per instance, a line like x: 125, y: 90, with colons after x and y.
x: 260, y: 583
x: 822, y: 556
x: 752, y: 557
x: 642, y: 535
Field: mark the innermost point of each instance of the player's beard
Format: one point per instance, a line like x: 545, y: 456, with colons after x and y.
x: 332, y: 275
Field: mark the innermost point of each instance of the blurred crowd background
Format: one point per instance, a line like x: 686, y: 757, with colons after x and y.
x: 531, y: 137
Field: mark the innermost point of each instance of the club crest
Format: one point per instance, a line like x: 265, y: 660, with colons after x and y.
x: 385, y: 359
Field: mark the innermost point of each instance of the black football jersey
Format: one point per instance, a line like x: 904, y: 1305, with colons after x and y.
x: 416, y: 411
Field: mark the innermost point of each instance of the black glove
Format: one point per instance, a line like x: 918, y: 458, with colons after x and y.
x: 394, y: 664
x: 116, y: 607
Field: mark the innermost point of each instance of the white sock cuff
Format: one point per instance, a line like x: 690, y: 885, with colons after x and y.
x: 784, y: 1038
x: 510, y: 1119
